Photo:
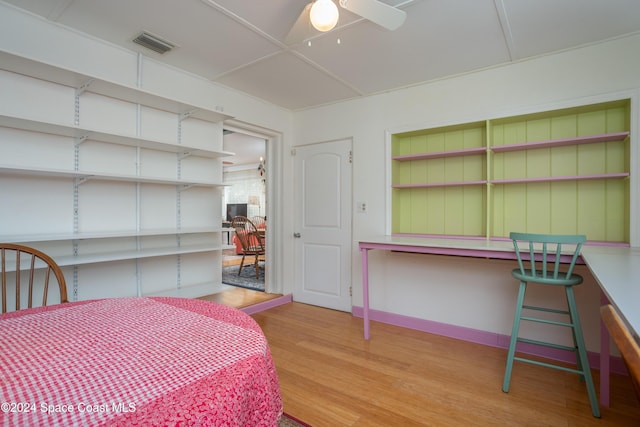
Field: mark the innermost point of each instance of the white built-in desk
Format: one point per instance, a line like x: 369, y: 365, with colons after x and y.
x: 616, y: 269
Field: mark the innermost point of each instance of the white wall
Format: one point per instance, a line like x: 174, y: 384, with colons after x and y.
x: 241, y: 186
x: 469, y: 292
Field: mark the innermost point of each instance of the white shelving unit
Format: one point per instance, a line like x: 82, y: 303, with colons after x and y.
x: 121, y: 186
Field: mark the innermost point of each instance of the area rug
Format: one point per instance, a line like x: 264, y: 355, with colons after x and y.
x: 246, y: 279
x: 289, y: 421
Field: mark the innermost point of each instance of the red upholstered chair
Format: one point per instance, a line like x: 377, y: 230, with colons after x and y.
x: 238, y: 245
x: 261, y: 224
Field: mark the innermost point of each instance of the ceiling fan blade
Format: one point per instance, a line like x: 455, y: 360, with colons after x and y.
x: 302, y: 28
x: 377, y: 12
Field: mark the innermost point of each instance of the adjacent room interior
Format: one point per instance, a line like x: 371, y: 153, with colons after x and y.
x: 245, y: 178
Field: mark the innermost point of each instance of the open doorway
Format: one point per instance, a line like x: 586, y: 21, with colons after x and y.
x: 245, y: 194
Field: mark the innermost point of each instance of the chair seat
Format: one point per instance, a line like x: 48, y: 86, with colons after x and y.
x: 573, y: 279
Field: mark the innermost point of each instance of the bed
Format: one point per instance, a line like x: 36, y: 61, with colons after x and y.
x: 136, y: 361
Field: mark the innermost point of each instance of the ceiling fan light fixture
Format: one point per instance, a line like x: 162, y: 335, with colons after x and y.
x: 324, y: 15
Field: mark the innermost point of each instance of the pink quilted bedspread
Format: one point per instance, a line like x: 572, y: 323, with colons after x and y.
x: 136, y: 361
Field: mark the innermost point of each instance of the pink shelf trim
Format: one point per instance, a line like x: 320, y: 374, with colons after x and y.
x: 440, y: 236
x: 441, y: 154
x: 439, y: 184
x: 562, y: 178
x: 265, y: 305
x: 499, y: 238
x: 618, y: 136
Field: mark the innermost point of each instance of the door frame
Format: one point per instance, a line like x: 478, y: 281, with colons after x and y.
x: 274, y: 255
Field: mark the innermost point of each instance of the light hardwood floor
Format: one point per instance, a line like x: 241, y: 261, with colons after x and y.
x: 237, y: 297
x: 331, y: 376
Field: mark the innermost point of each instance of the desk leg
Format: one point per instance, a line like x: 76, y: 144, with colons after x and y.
x: 365, y: 291
x: 604, y: 358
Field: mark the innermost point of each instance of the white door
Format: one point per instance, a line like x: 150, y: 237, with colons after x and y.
x: 323, y: 225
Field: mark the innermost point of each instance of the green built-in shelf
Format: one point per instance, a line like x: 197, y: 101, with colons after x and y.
x: 565, y: 171
x: 564, y: 142
x: 440, y: 184
x: 441, y: 154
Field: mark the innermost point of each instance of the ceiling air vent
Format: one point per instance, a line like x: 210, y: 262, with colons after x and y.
x: 154, y: 43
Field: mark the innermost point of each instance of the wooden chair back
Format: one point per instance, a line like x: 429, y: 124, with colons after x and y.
x: 626, y: 343
x: 247, y: 234
x: 260, y: 222
x: 20, y: 262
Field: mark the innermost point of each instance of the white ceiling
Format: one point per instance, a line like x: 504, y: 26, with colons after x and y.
x: 248, y: 150
x: 240, y: 43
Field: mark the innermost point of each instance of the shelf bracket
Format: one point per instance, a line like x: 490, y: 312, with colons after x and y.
x: 79, y: 91
x: 82, y: 179
x: 184, y: 155
x: 184, y: 187
x: 187, y: 114
x: 82, y: 88
x: 75, y: 284
x: 80, y: 140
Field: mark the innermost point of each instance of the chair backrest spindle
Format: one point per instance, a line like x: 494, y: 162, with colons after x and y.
x: 547, y: 255
x: 14, y: 264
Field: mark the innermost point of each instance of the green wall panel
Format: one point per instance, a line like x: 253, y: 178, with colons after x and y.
x: 514, y: 208
x: 563, y: 127
x: 435, y: 170
x: 591, y: 209
x: 563, y: 161
x: 538, y: 207
x: 435, y: 210
x: 419, y: 210
x: 617, y: 211
x: 563, y: 208
x: 454, y: 208
x: 474, y: 210
x: 497, y: 221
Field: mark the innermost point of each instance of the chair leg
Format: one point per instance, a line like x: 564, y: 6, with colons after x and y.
x: 514, y: 337
x: 583, y: 361
x: 256, y: 267
x: 572, y: 320
x: 241, y: 264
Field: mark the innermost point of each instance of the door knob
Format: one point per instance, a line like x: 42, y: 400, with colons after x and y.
x: 297, y: 235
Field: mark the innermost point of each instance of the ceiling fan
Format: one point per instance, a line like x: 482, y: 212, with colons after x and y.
x: 325, y: 13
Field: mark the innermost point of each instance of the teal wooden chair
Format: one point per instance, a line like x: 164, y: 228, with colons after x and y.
x: 540, y: 263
